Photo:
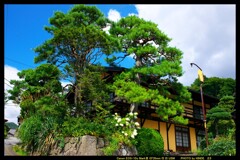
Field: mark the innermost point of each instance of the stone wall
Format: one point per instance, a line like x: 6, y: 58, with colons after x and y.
x: 84, y: 146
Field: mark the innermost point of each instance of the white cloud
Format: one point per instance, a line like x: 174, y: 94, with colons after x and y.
x: 132, y: 14
x: 114, y: 15
x: 11, y: 110
x: 205, y: 33
x: 64, y: 83
x: 106, y: 29
x: 10, y: 73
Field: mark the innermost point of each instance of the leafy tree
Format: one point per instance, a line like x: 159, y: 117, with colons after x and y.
x: 78, y: 40
x: 216, y: 114
x: 38, y: 91
x: 220, y: 118
x: 228, y: 88
x: 215, y: 86
x: 227, y: 103
x: 153, y: 79
x: 95, y: 98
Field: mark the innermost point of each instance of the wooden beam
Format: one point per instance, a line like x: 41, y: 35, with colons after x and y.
x: 168, y: 127
x: 142, y: 122
x: 158, y: 126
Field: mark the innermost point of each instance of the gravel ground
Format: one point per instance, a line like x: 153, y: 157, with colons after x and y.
x: 8, y: 151
x: 8, y: 144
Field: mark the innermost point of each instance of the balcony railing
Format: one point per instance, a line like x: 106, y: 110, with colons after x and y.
x: 188, y: 111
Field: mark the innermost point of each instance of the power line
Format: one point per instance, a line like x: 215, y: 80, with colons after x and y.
x: 8, y: 85
x: 7, y: 80
x: 10, y: 104
x: 19, y: 62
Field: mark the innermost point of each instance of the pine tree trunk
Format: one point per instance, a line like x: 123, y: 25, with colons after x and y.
x: 134, y: 106
x: 77, y: 95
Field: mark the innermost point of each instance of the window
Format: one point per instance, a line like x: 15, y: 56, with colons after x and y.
x: 182, y: 139
x: 198, y: 113
x: 111, y: 97
x: 145, y: 104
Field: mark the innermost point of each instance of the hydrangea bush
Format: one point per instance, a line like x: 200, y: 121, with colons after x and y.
x: 126, y: 129
x: 127, y: 125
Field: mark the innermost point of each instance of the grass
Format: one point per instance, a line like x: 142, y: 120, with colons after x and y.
x: 19, y: 151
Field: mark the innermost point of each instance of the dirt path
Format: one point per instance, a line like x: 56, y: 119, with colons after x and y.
x: 8, y: 151
x: 9, y: 142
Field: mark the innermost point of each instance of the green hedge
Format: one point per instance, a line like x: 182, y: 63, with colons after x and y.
x: 149, y: 142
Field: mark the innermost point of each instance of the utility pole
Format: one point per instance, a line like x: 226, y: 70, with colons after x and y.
x: 201, y: 78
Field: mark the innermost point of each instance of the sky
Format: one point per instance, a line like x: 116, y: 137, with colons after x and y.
x: 206, y: 34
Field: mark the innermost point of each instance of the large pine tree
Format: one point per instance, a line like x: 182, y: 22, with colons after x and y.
x: 78, y: 40
x: 153, y: 79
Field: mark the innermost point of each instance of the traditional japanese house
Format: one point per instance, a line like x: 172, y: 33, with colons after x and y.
x: 181, y: 138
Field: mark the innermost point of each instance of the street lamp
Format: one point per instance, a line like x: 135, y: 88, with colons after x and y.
x: 201, y: 78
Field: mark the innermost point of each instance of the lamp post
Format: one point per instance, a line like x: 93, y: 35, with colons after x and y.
x: 201, y: 78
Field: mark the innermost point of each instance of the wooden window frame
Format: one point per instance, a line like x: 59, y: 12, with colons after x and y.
x: 200, y: 133
x: 197, y: 112
x: 182, y: 133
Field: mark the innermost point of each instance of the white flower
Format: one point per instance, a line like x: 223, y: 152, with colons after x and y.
x: 116, y: 125
x: 134, y: 132
x: 121, y: 124
x: 119, y: 119
x: 127, y: 123
x: 132, y: 136
x: 125, y: 134
x: 116, y: 118
x: 127, y: 119
x: 131, y: 114
x: 116, y: 114
x: 136, y: 123
x: 135, y: 113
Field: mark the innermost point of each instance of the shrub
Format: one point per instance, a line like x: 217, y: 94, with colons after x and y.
x: 127, y: 125
x: 80, y: 126
x: 114, y: 141
x: 203, y: 142
x: 123, y: 131
x: 34, y: 130
x: 221, y: 146
x: 149, y: 142
x: 29, y: 132
x: 19, y: 150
